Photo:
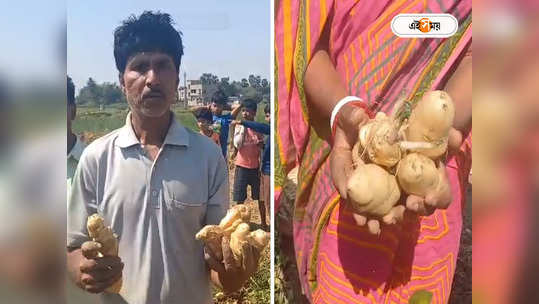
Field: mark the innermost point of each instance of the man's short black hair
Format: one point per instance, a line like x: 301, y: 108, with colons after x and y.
x: 204, y: 113
x: 267, y: 108
x: 219, y: 97
x: 70, y: 91
x: 149, y: 32
x: 249, y: 104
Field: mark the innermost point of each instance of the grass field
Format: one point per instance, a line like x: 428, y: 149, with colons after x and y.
x: 91, y: 119
x: 91, y: 122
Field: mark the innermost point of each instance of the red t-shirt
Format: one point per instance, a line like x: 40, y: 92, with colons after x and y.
x: 214, y: 136
x: 249, y: 153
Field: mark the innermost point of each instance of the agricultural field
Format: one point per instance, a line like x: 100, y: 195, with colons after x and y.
x: 92, y: 123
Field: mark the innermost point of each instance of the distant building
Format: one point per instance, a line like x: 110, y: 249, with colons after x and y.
x: 192, y: 92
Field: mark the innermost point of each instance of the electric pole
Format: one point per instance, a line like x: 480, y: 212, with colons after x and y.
x: 185, y: 89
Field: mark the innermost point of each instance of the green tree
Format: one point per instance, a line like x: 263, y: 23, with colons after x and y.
x: 210, y: 84
x: 251, y: 93
x: 90, y: 93
x: 100, y: 94
x: 229, y: 88
x: 111, y: 93
x: 264, y: 83
x: 254, y: 81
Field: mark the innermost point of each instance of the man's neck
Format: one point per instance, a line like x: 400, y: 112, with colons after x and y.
x: 151, y: 131
x: 71, y: 140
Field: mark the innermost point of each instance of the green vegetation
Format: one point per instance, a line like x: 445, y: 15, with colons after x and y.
x: 100, y: 94
x: 253, y: 87
x: 106, y: 93
x: 93, y: 120
x: 90, y: 119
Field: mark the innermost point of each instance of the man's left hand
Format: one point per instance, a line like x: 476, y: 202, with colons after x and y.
x: 233, y: 274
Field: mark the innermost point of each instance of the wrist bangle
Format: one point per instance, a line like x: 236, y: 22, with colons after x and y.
x: 355, y: 101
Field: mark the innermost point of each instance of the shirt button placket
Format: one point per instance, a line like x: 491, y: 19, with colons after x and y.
x: 154, y: 191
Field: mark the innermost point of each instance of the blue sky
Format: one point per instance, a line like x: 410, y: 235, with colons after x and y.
x: 226, y: 38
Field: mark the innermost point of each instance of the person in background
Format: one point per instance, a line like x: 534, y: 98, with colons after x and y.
x: 75, y: 146
x: 217, y: 106
x: 204, y: 123
x: 265, y: 169
x: 247, y: 142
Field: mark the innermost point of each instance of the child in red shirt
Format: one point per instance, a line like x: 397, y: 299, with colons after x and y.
x: 248, y: 143
x: 204, y: 122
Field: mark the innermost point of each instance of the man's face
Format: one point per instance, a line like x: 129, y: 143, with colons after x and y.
x: 216, y: 108
x: 149, y: 83
x: 267, y: 116
x: 203, y: 124
x: 248, y: 114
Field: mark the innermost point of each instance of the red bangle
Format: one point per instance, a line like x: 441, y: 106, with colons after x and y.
x: 353, y: 103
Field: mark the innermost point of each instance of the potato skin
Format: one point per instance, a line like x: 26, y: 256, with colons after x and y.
x: 417, y: 174
x: 430, y: 121
x: 104, y: 235
x: 372, y: 190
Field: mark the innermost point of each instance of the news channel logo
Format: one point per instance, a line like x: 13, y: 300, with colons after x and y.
x: 424, y: 25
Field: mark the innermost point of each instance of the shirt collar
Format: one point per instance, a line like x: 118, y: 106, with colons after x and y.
x: 176, y: 135
x: 77, y: 149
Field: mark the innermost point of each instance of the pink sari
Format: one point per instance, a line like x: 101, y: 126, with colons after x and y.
x: 339, y: 262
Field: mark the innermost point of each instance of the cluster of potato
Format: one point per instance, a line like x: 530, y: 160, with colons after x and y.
x: 235, y: 225
x: 395, y: 154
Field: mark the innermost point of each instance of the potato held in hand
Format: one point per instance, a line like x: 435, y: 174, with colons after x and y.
x: 212, y: 235
x: 259, y: 238
x: 372, y: 190
x: 418, y: 175
x: 234, y: 216
x: 238, y: 239
x: 108, y: 241
x: 242, y: 237
x: 430, y: 122
x: 378, y: 139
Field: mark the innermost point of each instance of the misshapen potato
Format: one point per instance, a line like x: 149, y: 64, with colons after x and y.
x: 108, y: 243
x: 378, y: 139
x: 235, y: 225
x: 430, y: 122
x: 212, y: 236
x: 238, y: 239
x: 372, y: 190
x: 419, y: 175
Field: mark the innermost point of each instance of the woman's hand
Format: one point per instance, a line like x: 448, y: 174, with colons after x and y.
x: 350, y: 119
x: 440, y: 197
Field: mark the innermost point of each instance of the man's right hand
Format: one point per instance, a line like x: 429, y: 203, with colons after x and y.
x: 95, y: 274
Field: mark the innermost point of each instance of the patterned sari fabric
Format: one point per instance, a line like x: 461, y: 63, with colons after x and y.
x: 338, y: 261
